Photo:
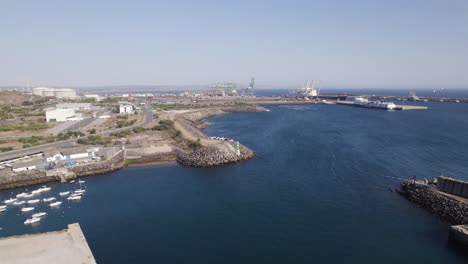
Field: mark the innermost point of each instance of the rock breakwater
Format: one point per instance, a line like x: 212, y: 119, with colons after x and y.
x: 444, y: 206
x: 214, y: 155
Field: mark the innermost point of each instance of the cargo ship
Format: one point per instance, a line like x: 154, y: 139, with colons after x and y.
x: 363, y: 102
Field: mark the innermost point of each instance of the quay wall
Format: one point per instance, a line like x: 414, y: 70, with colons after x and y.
x: 452, y: 186
x: 112, y: 164
x: 429, y: 198
x: 26, y: 179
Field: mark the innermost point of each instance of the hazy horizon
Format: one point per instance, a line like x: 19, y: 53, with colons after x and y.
x: 354, y: 44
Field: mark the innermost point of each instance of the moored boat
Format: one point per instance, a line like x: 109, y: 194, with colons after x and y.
x: 21, y: 195
x: 11, y: 200
x: 32, y: 220
x: 2, y: 210
x: 38, y: 191
x: 3, y: 206
x: 34, y: 201
x: 50, y: 199
x: 80, y: 191
x: 19, y: 203
x: 29, y: 195
x: 74, y: 197
x: 45, y: 189
x: 38, y: 215
x: 55, y: 204
x: 27, y: 209
x: 64, y: 193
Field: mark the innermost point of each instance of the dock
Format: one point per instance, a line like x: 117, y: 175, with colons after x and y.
x: 398, y: 107
x: 65, y: 246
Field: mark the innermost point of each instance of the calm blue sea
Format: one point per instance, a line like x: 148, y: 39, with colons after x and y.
x: 318, y: 191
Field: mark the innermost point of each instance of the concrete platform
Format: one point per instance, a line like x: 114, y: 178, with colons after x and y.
x: 65, y: 246
x: 459, y: 235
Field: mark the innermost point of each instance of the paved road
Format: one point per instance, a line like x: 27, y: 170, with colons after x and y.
x: 147, y: 118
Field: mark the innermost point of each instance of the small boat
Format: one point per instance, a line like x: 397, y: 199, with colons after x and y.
x: 2, y: 210
x: 21, y: 195
x: 55, y: 204
x: 45, y: 189
x: 38, y: 191
x: 32, y: 220
x: 74, y: 197
x: 29, y: 195
x: 19, y: 203
x: 80, y: 191
x: 3, y: 206
x: 50, y: 199
x: 64, y: 193
x: 27, y: 209
x: 81, y: 181
x: 34, y: 201
x: 11, y: 200
x: 72, y: 181
x: 38, y: 215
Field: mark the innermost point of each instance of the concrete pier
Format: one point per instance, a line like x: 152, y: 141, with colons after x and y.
x: 66, y: 246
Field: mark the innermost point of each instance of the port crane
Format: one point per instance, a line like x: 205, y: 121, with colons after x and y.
x: 249, y: 90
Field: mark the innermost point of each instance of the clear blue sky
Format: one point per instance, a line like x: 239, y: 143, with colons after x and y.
x: 355, y: 44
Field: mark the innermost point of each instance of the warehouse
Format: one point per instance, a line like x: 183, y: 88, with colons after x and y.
x: 59, y: 115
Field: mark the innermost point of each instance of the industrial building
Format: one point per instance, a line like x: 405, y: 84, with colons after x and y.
x: 74, y: 106
x: 59, y: 115
x: 126, y: 108
x: 96, y: 97
x: 55, y: 92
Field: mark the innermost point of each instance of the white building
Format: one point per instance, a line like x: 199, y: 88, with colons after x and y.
x: 79, y: 153
x: 95, y: 96
x: 59, y: 115
x: 54, y: 92
x: 74, y: 106
x: 23, y: 166
x: 126, y: 108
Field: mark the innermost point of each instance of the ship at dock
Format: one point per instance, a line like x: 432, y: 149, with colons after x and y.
x: 364, y: 102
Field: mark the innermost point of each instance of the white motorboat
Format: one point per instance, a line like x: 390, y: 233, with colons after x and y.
x: 27, y: 209
x: 72, y: 181
x: 29, y: 195
x: 45, y: 189
x: 64, y: 193
x: 38, y: 215
x: 38, y: 191
x: 80, y: 191
x: 3, y: 206
x: 11, y: 200
x: 19, y: 203
x: 55, y: 204
x: 34, y: 201
x: 2, y: 210
x: 74, y: 197
x: 21, y: 195
x: 32, y: 220
x: 81, y: 181
x: 50, y: 199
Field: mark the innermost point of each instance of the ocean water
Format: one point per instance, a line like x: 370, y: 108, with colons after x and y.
x: 317, y: 191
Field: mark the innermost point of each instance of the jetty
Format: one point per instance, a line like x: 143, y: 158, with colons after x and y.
x: 444, y: 197
x: 65, y: 246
